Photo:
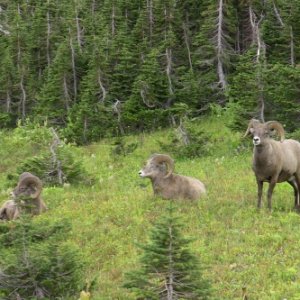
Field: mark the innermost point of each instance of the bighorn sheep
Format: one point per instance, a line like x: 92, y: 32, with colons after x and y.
x: 159, y: 169
x: 9, y: 211
x: 274, y: 161
x: 26, y: 196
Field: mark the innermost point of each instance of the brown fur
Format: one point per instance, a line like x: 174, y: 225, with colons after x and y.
x: 9, y: 211
x: 274, y: 161
x: 169, y: 185
x: 26, y: 197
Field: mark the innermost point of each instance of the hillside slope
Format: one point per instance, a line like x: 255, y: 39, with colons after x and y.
x: 238, y: 245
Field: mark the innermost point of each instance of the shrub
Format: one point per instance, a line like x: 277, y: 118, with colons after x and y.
x: 39, y: 263
x: 54, y: 165
x: 64, y: 169
x: 187, y: 141
x: 120, y: 147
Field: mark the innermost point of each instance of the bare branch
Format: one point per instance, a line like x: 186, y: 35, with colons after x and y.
x: 260, y: 58
x: 144, y: 95
x: 4, y: 31
x: 277, y: 14
x: 104, y: 92
x: 187, y: 44
x: 256, y: 35
x: 183, y: 133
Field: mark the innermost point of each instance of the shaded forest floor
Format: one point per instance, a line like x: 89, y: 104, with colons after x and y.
x: 238, y: 246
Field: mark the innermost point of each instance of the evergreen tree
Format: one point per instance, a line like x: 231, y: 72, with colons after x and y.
x: 146, y: 104
x: 92, y: 117
x: 51, y: 49
x: 168, y: 268
x: 37, y: 262
x: 214, y: 45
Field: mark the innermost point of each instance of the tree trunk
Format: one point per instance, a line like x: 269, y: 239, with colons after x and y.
x: 292, y: 45
x: 104, y: 92
x: 48, y: 36
x: 113, y: 24
x: 66, y: 93
x: 170, y: 279
x: 220, y: 47
x: 56, y: 163
x: 277, y: 14
x: 260, y: 59
x: 169, y: 72
x: 21, y: 72
x: 78, y: 30
x: 8, y: 101
x: 187, y: 44
x: 73, y: 66
x: 256, y: 36
x: 24, y: 96
x: 151, y: 19
x: 117, y: 109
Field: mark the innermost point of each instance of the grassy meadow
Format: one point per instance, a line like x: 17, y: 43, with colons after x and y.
x: 238, y: 245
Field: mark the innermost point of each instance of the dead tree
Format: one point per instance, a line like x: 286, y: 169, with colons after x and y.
x: 117, y: 109
x: 55, y: 161
x: 260, y: 57
x: 220, y: 46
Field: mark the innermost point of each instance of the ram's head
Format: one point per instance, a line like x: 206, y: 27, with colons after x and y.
x: 158, y: 165
x: 28, y: 187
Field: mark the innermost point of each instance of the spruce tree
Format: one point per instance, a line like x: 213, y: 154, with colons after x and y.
x: 169, y: 270
x: 37, y: 262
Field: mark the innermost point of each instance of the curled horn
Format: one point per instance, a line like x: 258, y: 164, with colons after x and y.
x: 31, y: 179
x: 251, y: 124
x: 160, y: 158
x: 276, y: 126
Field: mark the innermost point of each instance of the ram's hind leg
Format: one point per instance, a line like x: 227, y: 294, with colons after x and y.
x: 297, y: 199
x: 293, y: 183
x: 272, y: 184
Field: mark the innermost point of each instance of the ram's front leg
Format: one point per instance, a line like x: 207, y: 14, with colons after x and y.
x: 259, y: 192
x: 272, y: 184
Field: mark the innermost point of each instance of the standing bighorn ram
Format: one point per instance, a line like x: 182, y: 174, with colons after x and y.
x: 26, y: 197
x: 165, y: 183
x: 274, y: 161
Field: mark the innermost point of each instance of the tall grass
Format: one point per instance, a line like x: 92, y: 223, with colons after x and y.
x: 239, y: 245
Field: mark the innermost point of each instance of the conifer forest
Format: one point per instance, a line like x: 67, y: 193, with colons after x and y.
x: 101, y: 100
x: 97, y: 68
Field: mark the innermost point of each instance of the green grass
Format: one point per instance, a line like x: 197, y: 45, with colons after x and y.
x: 237, y: 244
